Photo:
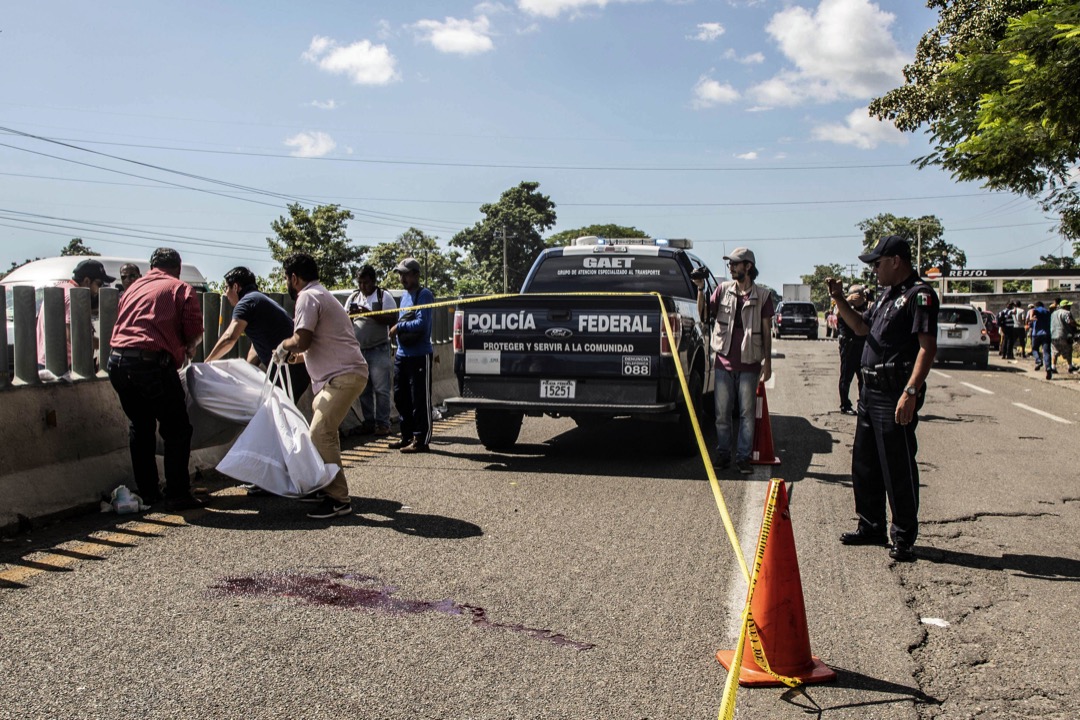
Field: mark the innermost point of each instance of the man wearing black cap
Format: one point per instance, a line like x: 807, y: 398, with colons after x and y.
x: 901, y: 341
x: 88, y: 274
x: 412, y: 362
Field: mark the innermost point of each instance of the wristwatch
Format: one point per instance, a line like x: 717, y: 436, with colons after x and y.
x: 911, y: 390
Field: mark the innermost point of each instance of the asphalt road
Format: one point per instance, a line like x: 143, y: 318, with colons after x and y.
x: 583, y: 575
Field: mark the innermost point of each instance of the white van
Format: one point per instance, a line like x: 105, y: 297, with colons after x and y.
x: 50, y: 271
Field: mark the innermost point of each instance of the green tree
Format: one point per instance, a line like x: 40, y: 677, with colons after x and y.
x: 515, y: 223
x: 605, y: 231
x: 15, y: 265
x: 76, y: 247
x: 997, y: 82
x: 926, y: 230
x: 1055, y: 262
x: 321, y: 234
x: 819, y: 293
x: 439, y: 269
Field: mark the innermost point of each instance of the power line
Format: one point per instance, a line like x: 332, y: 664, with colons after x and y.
x: 486, y: 166
x: 235, y: 186
x: 846, y: 201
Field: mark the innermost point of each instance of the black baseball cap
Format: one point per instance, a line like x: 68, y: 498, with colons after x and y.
x: 889, y: 246
x: 91, y: 269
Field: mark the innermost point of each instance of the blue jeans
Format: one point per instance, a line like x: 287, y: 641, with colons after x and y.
x: 732, y: 387
x: 375, y: 400
x: 1040, y: 348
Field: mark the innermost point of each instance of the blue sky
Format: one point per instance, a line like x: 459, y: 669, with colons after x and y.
x: 731, y: 122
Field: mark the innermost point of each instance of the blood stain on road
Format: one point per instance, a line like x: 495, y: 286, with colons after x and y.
x: 352, y: 591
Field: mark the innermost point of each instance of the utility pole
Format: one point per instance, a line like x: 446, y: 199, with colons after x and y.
x: 501, y: 234
x: 918, y: 252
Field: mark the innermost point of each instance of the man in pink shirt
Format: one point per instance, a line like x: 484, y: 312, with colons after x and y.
x: 158, y: 327
x: 323, y: 334
x: 88, y: 274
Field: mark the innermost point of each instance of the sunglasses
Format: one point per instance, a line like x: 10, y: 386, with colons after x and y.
x: 736, y: 263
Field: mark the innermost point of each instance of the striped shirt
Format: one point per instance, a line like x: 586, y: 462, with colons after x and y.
x: 158, y: 313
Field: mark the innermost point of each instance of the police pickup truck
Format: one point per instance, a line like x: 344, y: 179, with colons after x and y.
x: 591, y: 357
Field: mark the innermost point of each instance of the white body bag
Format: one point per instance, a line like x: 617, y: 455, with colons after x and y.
x: 275, y: 451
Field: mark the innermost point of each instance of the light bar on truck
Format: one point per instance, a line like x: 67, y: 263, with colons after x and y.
x: 676, y: 243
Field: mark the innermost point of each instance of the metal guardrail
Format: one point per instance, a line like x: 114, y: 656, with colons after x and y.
x: 19, y: 352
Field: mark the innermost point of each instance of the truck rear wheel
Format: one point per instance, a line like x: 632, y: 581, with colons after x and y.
x: 498, y: 429
x: 684, y: 441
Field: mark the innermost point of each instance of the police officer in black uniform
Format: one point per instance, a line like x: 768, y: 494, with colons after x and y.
x: 901, y: 330
x: 851, y: 348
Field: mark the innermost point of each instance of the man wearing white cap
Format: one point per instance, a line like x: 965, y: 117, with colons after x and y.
x: 742, y: 342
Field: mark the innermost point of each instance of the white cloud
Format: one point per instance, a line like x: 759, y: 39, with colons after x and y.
x: 363, y: 62
x: 707, y: 32
x: 709, y: 92
x: 463, y: 37
x: 751, y: 59
x: 490, y: 8
x: 554, y: 8
x: 330, y: 104
x: 385, y: 31
x: 752, y: 155
x: 843, y: 49
x: 861, y: 130
x: 311, y: 144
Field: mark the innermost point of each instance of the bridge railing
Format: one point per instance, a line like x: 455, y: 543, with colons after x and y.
x: 19, y: 341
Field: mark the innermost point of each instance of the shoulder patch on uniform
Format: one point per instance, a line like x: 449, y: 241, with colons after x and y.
x: 924, y: 299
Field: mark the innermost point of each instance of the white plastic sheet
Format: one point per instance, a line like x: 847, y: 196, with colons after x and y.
x: 275, y: 451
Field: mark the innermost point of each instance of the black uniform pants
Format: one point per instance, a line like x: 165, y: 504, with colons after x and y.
x: 153, y: 399
x: 412, y: 395
x: 883, y: 467
x: 850, y: 358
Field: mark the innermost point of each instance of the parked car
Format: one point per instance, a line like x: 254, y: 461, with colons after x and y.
x: 991, y: 323
x: 962, y: 336
x: 796, y: 318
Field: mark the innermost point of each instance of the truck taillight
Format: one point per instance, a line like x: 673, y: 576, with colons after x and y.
x: 676, y: 331
x: 459, y: 323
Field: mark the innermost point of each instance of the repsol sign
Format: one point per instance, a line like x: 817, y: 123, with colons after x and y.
x: 968, y: 274
x: 501, y: 321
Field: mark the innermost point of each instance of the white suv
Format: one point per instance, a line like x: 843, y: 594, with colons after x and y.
x: 962, y: 336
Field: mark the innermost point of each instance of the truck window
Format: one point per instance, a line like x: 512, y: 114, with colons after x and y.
x: 611, y: 273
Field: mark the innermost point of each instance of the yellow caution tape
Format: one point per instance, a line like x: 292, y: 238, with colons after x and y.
x: 747, y: 625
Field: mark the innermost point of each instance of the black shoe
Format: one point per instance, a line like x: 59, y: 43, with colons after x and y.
x: 400, y: 444
x: 254, y: 490
x: 330, y: 508
x: 1049, y: 374
x: 723, y: 462
x: 848, y: 411
x: 316, y: 497
x: 743, y: 466
x: 859, y: 537
x: 184, y: 502
x: 902, y: 553
x: 416, y: 448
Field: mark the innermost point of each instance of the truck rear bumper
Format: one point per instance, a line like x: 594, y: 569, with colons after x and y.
x: 563, y: 408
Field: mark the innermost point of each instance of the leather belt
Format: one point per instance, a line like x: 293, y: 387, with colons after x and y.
x: 149, y: 355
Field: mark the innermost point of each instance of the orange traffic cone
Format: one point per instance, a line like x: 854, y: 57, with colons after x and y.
x: 763, y: 445
x: 779, y: 613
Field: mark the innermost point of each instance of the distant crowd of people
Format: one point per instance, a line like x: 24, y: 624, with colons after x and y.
x: 1045, y: 334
